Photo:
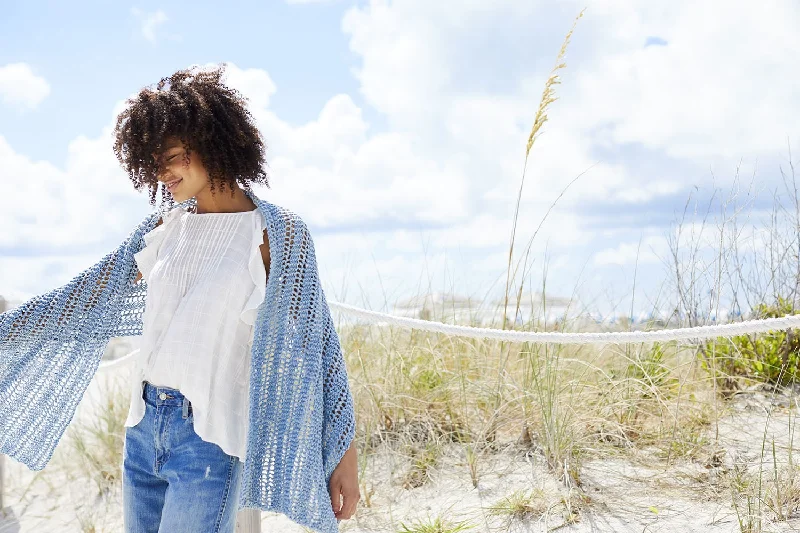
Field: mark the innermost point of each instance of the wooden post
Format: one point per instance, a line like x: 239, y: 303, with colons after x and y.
x: 2, y: 460
x: 248, y: 521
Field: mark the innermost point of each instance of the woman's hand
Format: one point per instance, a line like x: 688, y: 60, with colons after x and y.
x: 344, y: 484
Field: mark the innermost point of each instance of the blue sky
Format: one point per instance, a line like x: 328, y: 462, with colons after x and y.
x: 92, y: 53
x: 397, y: 130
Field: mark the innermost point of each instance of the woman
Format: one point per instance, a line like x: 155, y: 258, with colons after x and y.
x: 230, y: 285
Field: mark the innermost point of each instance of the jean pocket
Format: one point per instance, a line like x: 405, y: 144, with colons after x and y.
x: 187, y: 411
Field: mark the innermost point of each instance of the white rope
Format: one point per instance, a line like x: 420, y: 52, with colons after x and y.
x: 616, y: 337
x: 105, y: 365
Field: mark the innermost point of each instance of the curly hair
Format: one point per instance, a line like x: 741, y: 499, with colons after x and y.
x: 210, y: 119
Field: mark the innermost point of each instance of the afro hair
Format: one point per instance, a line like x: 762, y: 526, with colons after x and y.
x: 208, y: 117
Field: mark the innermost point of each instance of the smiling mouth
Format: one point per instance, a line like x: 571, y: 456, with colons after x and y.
x: 172, y: 184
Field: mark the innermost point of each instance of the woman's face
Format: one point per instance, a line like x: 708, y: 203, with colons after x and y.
x: 186, y: 170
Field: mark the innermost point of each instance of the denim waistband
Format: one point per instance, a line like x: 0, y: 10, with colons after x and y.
x: 163, y: 395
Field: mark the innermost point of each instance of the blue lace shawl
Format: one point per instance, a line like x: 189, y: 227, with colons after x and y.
x: 301, y: 417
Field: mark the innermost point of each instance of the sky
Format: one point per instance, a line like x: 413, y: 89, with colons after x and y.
x: 397, y: 131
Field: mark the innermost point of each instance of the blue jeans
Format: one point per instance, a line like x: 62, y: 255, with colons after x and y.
x: 172, y: 480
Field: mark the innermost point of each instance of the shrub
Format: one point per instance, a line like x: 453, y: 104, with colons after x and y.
x: 772, y: 357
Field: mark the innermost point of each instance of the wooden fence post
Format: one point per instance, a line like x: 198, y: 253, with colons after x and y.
x: 248, y: 521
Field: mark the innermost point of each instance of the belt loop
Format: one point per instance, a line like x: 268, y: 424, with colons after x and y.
x: 185, y: 407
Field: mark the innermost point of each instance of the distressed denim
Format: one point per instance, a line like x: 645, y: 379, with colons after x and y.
x: 172, y: 480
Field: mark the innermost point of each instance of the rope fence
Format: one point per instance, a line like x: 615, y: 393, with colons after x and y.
x: 555, y: 337
x: 617, y: 337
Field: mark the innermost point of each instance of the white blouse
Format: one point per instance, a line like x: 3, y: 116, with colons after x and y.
x: 205, y: 281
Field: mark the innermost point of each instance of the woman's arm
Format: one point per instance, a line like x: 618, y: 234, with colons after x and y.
x: 265, y: 253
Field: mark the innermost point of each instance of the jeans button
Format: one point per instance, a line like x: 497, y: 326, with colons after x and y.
x: 163, y: 396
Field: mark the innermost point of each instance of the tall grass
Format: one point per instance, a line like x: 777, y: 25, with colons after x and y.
x: 542, y: 373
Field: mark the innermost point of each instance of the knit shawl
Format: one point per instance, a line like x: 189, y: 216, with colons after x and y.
x: 301, y: 418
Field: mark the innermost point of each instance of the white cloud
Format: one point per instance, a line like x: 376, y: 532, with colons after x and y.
x: 39, y: 180
x: 723, y: 85
x: 717, y: 89
x: 652, y: 249
x: 255, y: 83
x: 20, y: 87
x: 150, y: 22
x: 408, y: 50
x: 80, y: 213
x: 330, y: 171
x: 79, y: 204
